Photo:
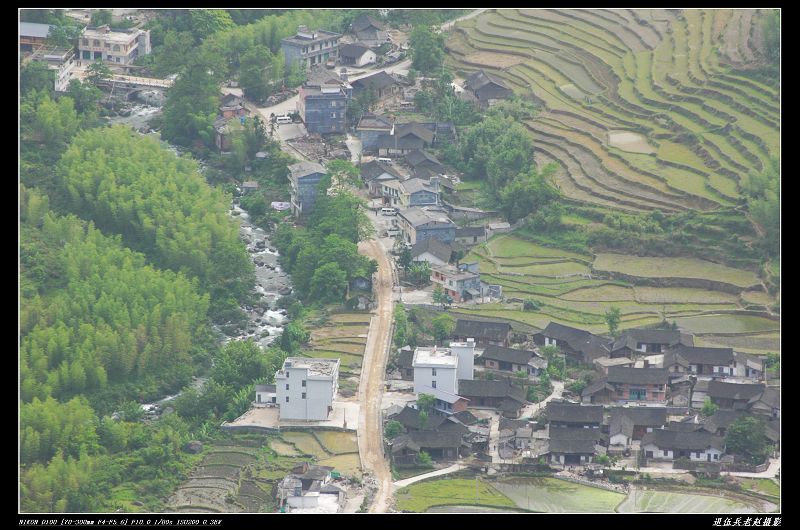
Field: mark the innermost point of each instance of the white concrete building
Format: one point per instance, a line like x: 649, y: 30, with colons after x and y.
x: 437, y: 371
x: 121, y: 47
x: 61, y: 61
x: 306, y: 388
x: 698, y: 446
x: 266, y: 394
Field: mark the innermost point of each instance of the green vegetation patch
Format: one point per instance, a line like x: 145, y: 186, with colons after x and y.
x: 727, y: 324
x: 681, y: 295
x: 347, y: 464
x: 421, y: 496
x: 511, y: 246
x: 558, y: 496
x: 661, y: 267
x: 305, y: 442
x: 338, y: 442
x: 762, y: 485
x: 282, y: 448
x: 674, y: 502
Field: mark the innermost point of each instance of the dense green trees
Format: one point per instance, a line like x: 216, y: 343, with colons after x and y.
x: 745, y: 437
x: 772, y: 36
x: 160, y: 205
x: 173, y: 54
x: 427, y: 50
x: 36, y: 76
x: 442, y: 327
x: 261, y: 72
x: 764, y: 203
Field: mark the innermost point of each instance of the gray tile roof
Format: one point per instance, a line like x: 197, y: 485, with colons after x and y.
x: 691, y: 441
x: 479, y: 79
x: 374, y: 121
x: 363, y: 22
x: 353, y: 50
x: 378, y: 81
x: 373, y: 169
x: 511, y: 355
x: 644, y: 416
x: 697, y: 355
x: 418, y: 156
x: 736, y: 391
x: 409, y: 418
x: 495, y: 331
x: 434, y: 247
x: 568, y: 412
x: 501, y: 388
x: 637, y: 376
x: 301, y: 169
x: 417, y: 217
x: 631, y: 337
x: 33, y: 29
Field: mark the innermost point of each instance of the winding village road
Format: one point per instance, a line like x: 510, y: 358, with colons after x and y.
x: 370, y: 389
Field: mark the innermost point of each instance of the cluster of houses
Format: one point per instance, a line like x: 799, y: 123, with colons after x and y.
x: 643, y: 405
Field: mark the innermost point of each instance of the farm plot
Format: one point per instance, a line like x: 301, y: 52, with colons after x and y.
x: 661, y: 267
x: 674, y: 502
x: 716, y: 324
x: 558, y: 496
x: 342, y: 337
x: 756, y: 343
x: 665, y: 81
x: 305, y: 442
x: 338, y: 442
x: 422, y: 496
x: 347, y: 464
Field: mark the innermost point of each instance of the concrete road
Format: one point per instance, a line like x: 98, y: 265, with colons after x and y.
x: 373, y: 373
x: 447, y: 25
x: 437, y: 473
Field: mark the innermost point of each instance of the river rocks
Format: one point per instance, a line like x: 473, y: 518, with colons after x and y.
x: 193, y: 447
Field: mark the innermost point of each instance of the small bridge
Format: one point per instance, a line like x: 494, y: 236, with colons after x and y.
x: 129, y: 85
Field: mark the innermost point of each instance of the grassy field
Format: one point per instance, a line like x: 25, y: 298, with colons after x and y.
x: 305, y: 442
x: 558, y: 496
x: 347, y: 464
x: 423, y: 495
x: 661, y: 267
x: 338, y: 442
x: 761, y: 485
x: 674, y: 502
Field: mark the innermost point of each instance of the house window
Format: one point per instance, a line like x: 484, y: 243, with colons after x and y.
x: 96, y: 43
x: 287, y: 386
x: 433, y: 384
x: 716, y: 457
x: 85, y: 42
x: 116, y: 47
x: 287, y: 399
x: 304, y: 395
x: 433, y: 372
x: 303, y: 383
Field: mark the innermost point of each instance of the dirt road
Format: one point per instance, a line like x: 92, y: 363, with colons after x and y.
x: 370, y: 389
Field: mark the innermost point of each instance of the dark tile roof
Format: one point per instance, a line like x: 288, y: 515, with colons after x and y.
x: 501, y: 353
x: 577, y: 339
x: 501, y: 388
x: 568, y: 412
x: 631, y: 337
x: 312, y: 471
x: 434, y: 247
x: 479, y: 79
x: 771, y: 397
x: 597, y: 386
x: 645, y: 416
x: 353, y: 50
x: 373, y: 169
x: 575, y: 433
x: 374, y: 121
x: 681, y: 426
x: 638, y: 376
x: 736, y: 391
x: 692, y: 441
x: 466, y: 417
x: 410, y: 419
x: 416, y: 129
x: 265, y: 388
x: 497, y: 331
x: 697, y: 355
x: 378, y: 80
x: 392, y: 141
x: 620, y: 424
x: 452, y: 426
x: 566, y: 446
x: 722, y: 419
x: 362, y: 22
x: 435, y: 439
x: 471, y: 231
x: 418, y: 156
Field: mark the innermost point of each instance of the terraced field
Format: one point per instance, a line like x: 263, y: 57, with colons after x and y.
x: 674, y: 502
x: 704, y: 298
x: 343, y: 337
x: 661, y: 80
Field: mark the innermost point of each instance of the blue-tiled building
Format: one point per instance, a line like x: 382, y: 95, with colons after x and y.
x: 323, y: 107
x: 304, y: 178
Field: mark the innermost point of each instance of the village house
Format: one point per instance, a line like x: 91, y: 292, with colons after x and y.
x: 60, y: 61
x: 647, y: 385
x: 433, y: 251
x: 702, y: 362
x: 407, y: 137
x: 512, y: 360
x: 602, y: 364
x: 375, y: 174
x: 118, y: 46
x: 565, y: 415
x: 369, y: 128
x: 356, y: 54
x: 719, y: 422
x: 484, y: 332
x: 441, y: 446
x: 437, y: 371
x: 575, y: 446
x: 383, y: 85
x: 310, y: 48
x: 735, y: 396
x: 323, y: 107
x: 405, y: 363
x: 746, y: 366
x: 232, y: 106
x: 461, y: 284
x: 249, y: 186
x: 310, y: 487
x: 499, y: 394
x: 470, y: 235
x: 304, y: 178
x: 369, y: 31
x: 224, y: 129
x: 306, y: 388
x: 417, y: 224
x: 697, y: 446
x: 632, y: 423
x: 634, y: 343
x: 33, y: 36
x: 411, y: 193
x: 266, y: 394
x: 578, y: 344
x: 422, y: 161
x: 487, y: 88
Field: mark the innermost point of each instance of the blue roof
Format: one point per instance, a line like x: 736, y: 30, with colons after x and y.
x: 32, y: 29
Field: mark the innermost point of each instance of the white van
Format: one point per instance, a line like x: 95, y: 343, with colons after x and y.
x: 283, y: 119
x: 393, y: 232
x: 385, y: 160
x: 388, y: 211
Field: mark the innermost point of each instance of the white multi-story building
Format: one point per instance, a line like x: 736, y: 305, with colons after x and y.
x: 306, y: 388
x: 121, y: 47
x: 437, y: 371
x: 60, y: 60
